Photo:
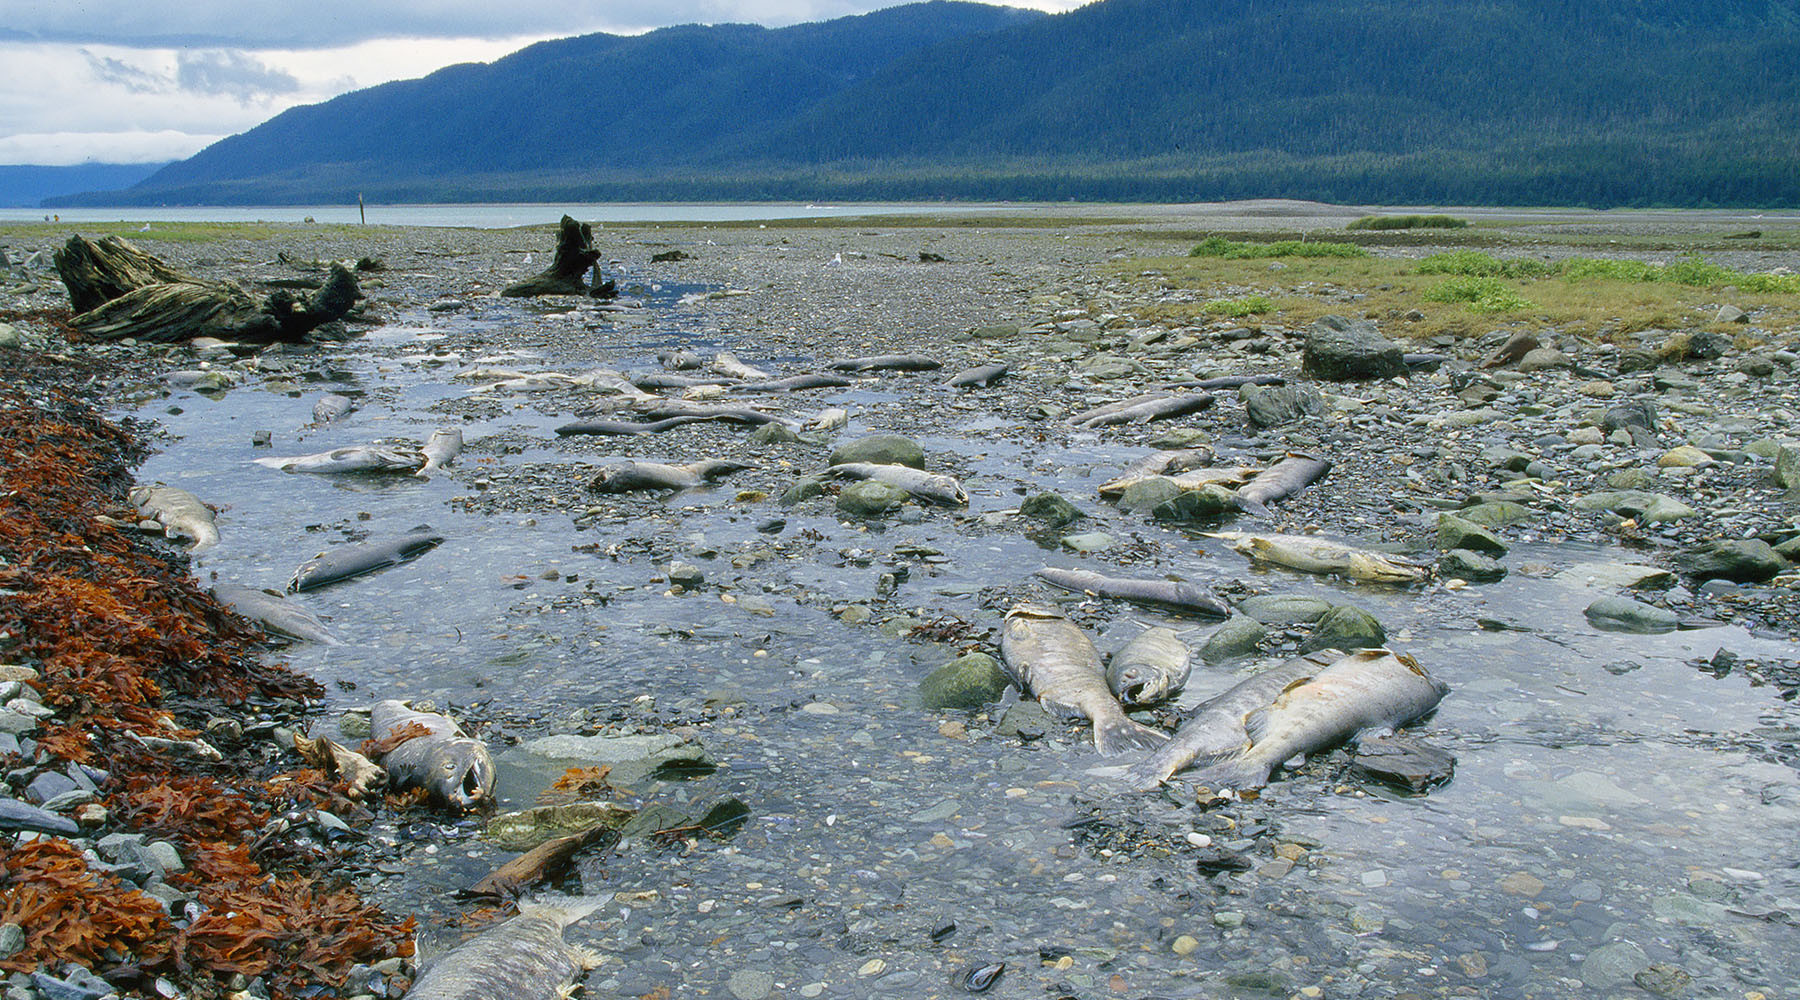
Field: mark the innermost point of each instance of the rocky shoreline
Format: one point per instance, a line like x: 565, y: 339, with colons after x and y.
x: 1617, y: 469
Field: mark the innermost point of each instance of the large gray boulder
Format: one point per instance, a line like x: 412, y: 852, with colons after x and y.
x: 881, y: 449
x: 1345, y: 350
x: 1273, y: 406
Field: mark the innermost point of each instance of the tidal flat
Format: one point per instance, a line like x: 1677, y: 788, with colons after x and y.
x: 1620, y: 819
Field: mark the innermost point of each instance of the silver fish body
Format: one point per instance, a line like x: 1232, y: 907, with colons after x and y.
x: 1150, y: 668
x: 924, y: 485
x: 181, y: 514
x: 440, y: 451
x: 1052, y: 660
x: 628, y: 477
x: 1371, y: 690
x: 980, y: 375
x: 679, y: 359
x: 1159, y: 463
x: 454, y: 770
x: 1190, y: 597
x: 889, y: 362
x: 1280, y: 481
x: 1216, y: 726
x: 727, y: 364
x: 275, y: 613
x: 347, y: 561
x: 357, y: 458
x: 332, y: 406
x: 794, y: 383
x: 1143, y: 410
x: 1312, y: 554
x: 524, y: 958
x: 830, y: 419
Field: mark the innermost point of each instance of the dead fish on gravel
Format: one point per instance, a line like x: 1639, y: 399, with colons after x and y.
x: 793, y: 383
x: 1158, y: 463
x: 1052, y: 660
x: 524, y: 958
x: 627, y: 477
x: 1280, y: 481
x: 440, y: 451
x: 628, y: 427
x: 1216, y: 727
x: 332, y: 406
x: 664, y: 409
x: 667, y: 380
x: 1150, y: 668
x: 888, y: 362
x: 1190, y: 597
x: 727, y: 363
x: 679, y: 359
x: 1368, y: 691
x: 924, y: 485
x: 347, y: 561
x: 981, y: 375
x: 1142, y: 409
x: 1311, y: 554
x: 181, y: 514
x: 357, y: 458
x: 829, y: 420
x: 454, y: 769
x: 275, y: 613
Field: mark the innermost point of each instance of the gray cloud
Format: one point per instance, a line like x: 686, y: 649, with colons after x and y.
x: 231, y: 74
x: 123, y: 74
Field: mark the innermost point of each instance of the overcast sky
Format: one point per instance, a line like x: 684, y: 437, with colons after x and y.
x: 139, y: 81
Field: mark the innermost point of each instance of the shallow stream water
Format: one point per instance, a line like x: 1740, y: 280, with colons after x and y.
x: 1613, y: 806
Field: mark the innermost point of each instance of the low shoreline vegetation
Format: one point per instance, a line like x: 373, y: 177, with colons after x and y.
x: 1385, y: 222
x: 1220, y: 247
x: 1690, y: 270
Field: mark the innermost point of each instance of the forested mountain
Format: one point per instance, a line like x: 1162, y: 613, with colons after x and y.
x: 25, y: 186
x: 1479, y: 101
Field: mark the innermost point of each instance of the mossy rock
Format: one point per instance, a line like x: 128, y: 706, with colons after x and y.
x: 1345, y: 627
x: 870, y: 499
x: 967, y: 682
x: 1051, y: 509
x: 881, y: 449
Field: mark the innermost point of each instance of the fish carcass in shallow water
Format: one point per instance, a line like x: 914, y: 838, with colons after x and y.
x: 829, y: 419
x: 626, y: 477
x: 1155, y: 464
x: 454, y: 770
x: 440, y: 451
x: 1368, y: 691
x: 1310, y: 554
x: 679, y: 359
x: 889, y: 362
x: 1280, y: 481
x: 1143, y: 409
x: 181, y: 514
x: 1149, y: 668
x: 275, y: 613
x: 1052, y: 660
x: 1216, y: 727
x: 332, y: 406
x: 981, y: 375
x: 358, y: 458
x: 626, y: 426
x: 924, y: 485
x: 727, y: 363
x: 347, y: 561
x: 809, y: 380
x: 1190, y: 597
x: 524, y: 958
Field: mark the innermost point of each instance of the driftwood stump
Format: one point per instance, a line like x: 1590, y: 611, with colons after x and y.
x: 139, y: 296
x: 575, y: 253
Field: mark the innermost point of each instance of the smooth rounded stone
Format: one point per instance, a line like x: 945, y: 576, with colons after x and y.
x: 1496, y: 513
x: 1340, y: 350
x: 1663, y: 509
x: 1206, y: 503
x: 1620, y: 576
x: 1106, y: 367
x: 1184, y: 945
x: 855, y: 614
x: 1587, y: 435
x: 1051, y: 509
x: 1684, y: 457
x: 1145, y: 495
x: 1729, y: 313
x: 1502, y: 456
x: 967, y: 682
x: 9, y: 336
x: 1749, y: 560
x: 1273, y: 406
x: 1622, y: 614
x: 1786, y: 473
x: 1682, y: 908
x: 686, y: 575
x: 870, y: 498
x: 1765, y: 448
x: 880, y: 449
x: 1790, y: 549
x: 48, y: 786
x: 1612, y: 965
x: 1755, y: 366
x: 1345, y: 627
x: 1462, y: 564
x: 1284, y: 609
x: 1663, y: 979
x: 750, y: 984
x: 1228, y: 919
x: 1455, y: 532
x: 12, y: 940
x: 806, y: 488
x: 1629, y: 413
x: 1543, y: 359
x: 1089, y: 542
x: 1024, y: 719
x: 773, y: 433
x: 1238, y: 636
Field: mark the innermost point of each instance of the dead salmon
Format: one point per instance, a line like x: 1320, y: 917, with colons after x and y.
x: 1159, y: 463
x: 1312, y: 554
x: 1368, y: 691
x: 1151, y: 667
x: 454, y: 769
x: 524, y: 958
x: 181, y: 514
x: 1052, y: 660
x: 1280, y: 481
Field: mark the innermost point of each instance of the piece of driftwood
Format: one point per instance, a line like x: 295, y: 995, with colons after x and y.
x: 98, y: 272
x: 541, y: 862
x: 575, y: 254
x: 120, y: 291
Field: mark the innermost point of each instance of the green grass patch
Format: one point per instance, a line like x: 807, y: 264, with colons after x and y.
x: 1475, y: 264
x: 1482, y: 293
x: 1251, y: 305
x: 1386, y: 222
x: 1224, y: 249
x: 1690, y: 270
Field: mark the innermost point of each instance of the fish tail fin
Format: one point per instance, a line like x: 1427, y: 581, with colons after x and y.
x: 1121, y: 735
x: 1238, y: 773
x: 1146, y: 774
x: 565, y: 910
x: 1253, y: 507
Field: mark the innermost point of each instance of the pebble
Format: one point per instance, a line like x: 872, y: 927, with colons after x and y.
x: 750, y: 984
x: 1185, y: 945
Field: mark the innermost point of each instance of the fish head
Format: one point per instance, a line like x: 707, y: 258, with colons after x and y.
x: 1138, y: 684
x: 461, y: 775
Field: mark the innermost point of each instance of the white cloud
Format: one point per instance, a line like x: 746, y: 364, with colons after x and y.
x: 61, y: 149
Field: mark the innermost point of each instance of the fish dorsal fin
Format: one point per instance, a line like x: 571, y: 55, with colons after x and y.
x: 1256, y: 722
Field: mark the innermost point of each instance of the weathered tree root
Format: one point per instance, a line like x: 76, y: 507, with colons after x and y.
x: 575, y: 254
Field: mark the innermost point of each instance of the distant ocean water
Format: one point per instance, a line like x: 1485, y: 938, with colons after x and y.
x: 497, y: 216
